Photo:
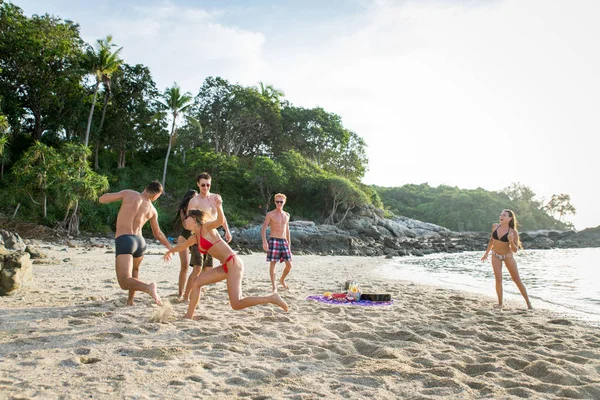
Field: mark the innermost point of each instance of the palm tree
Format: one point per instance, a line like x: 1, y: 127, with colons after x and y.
x: 177, y: 105
x: 270, y: 93
x: 101, y: 61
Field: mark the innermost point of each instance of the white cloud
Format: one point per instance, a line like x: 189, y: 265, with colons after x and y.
x: 183, y: 45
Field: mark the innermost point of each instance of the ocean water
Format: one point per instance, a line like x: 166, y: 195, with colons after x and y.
x: 563, y: 280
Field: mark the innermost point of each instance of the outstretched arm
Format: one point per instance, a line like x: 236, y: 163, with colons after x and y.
x: 110, y: 197
x: 180, y: 247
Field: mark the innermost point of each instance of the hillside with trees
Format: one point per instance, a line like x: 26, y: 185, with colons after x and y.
x: 77, y: 120
x: 476, y: 209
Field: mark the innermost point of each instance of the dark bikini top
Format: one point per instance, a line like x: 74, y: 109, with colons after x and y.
x: 503, y: 238
x: 204, y: 245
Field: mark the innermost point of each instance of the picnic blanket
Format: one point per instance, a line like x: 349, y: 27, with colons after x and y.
x: 360, y: 303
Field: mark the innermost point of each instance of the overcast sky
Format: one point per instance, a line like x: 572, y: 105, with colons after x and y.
x: 463, y: 93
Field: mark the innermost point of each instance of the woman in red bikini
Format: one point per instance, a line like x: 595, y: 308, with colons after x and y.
x: 505, y: 242
x: 209, y: 241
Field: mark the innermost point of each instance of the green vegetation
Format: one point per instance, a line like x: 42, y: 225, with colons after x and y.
x: 64, y: 102
x: 475, y: 210
x: 60, y: 98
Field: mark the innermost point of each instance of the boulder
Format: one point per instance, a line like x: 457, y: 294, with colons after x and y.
x: 35, y: 253
x: 10, y: 240
x: 15, y: 271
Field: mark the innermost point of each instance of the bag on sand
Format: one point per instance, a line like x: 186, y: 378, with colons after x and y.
x: 376, y: 296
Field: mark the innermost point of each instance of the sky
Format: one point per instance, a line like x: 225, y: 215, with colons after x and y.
x: 463, y: 93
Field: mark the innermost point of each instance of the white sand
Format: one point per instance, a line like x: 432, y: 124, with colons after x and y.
x: 69, y: 335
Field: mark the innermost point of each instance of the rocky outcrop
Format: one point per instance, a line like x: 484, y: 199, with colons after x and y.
x: 15, y: 263
x: 11, y: 240
x: 15, y: 271
x: 367, y: 233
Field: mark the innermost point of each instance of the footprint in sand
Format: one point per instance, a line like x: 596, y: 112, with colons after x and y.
x: 89, y: 360
x: 110, y: 335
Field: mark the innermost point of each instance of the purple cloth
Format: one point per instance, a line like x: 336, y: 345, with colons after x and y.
x: 361, y: 303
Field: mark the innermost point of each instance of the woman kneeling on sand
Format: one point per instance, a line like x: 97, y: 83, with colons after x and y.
x: 207, y: 238
x: 503, y: 244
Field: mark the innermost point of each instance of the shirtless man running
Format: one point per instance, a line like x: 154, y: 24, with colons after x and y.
x: 136, y: 209
x: 278, y: 245
x: 204, y: 201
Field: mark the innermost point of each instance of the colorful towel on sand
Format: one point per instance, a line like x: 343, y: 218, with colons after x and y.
x: 360, y: 303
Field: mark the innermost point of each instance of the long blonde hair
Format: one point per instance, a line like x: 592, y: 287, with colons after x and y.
x: 513, y: 224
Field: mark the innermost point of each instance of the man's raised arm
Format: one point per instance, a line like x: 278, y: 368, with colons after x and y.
x: 110, y: 197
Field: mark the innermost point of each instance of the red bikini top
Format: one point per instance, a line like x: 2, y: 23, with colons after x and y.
x: 204, y: 245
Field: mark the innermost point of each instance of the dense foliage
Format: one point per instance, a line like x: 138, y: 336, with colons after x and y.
x: 77, y: 120
x: 476, y: 209
x: 67, y: 106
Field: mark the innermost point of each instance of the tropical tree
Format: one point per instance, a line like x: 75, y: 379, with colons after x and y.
x: 269, y: 176
x: 132, y: 122
x: 36, y: 173
x: 560, y: 204
x: 177, y: 104
x: 344, y: 196
x: 39, y: 56
x: 76, y: 181
x: 270, y: 93
x: 102, y: 61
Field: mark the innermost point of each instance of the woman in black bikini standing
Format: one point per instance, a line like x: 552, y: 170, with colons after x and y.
x: 205, y: 235
x: 505, y: 242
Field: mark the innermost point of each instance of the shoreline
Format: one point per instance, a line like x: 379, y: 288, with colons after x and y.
x: 69, y: 335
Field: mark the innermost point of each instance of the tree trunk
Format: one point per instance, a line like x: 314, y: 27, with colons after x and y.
x: 89, y: 122
x: 16, y: 209
x: 168, y: 152
x: 74, y: 220
x: 44, y: 206
x: 37, y: 127
x: 96, y: 151
x: 106, y: 95
x: 121, y: 161
x: 2, y: 172
x: 183, y: 155
x: 345, y: 215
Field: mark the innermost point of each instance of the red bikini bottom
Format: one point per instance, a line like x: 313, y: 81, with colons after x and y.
x: 226, y: 261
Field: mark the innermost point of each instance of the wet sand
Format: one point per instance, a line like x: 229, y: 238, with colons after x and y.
x: 70, y: 335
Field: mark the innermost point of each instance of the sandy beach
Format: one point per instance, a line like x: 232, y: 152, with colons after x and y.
x: 69, y: 335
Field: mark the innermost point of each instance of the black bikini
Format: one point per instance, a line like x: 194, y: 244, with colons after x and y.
x: 503, y: 238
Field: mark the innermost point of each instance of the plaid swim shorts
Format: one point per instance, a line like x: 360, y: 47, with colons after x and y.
x: 279, y: 250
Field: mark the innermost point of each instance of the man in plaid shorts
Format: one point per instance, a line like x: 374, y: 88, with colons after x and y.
x: 278, y: 245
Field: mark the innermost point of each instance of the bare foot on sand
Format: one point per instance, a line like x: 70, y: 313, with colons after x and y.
x: 192, y: 318
x: 130, y: 302
x: 154, y: 293
x: 285, y: 286
x: 529, y: 306
x: 499, y: 306
x: 279, y: 301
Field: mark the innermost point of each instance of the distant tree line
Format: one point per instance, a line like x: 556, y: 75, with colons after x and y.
x: 476, y: 209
